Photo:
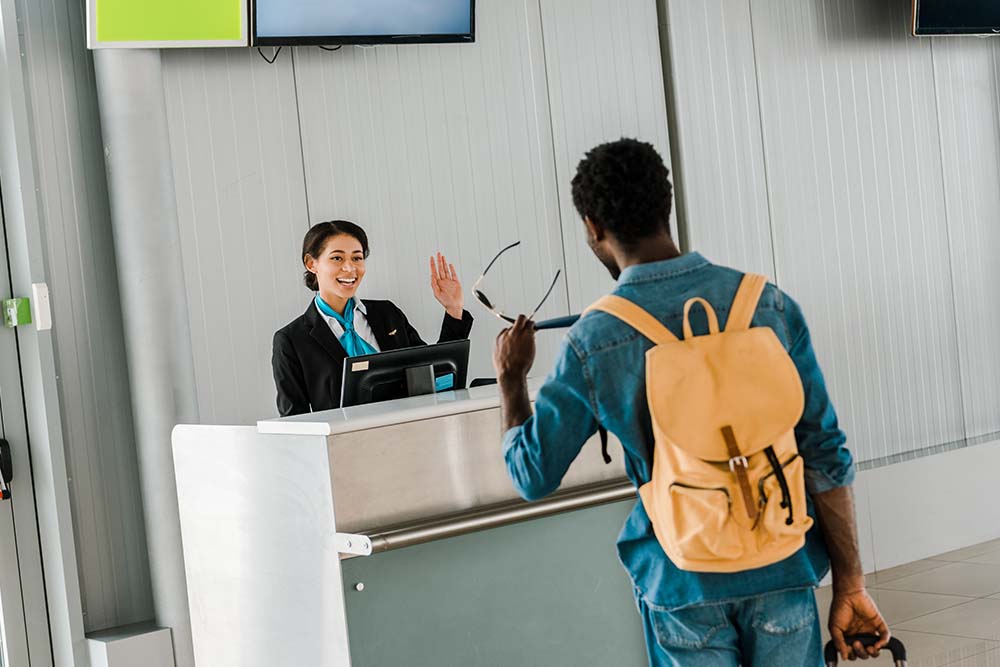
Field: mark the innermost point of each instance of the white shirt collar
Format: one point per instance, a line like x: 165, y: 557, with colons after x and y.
x: 359, y: 305
x: 338, y: 329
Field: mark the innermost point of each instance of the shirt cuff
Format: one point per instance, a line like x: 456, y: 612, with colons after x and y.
x: 818, y: 481
x: 510, y: 438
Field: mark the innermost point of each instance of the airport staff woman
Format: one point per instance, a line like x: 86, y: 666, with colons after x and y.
x: 308, y: 354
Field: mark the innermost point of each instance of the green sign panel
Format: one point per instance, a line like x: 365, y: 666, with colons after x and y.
x: 170, y: 20
x: 16, y: 312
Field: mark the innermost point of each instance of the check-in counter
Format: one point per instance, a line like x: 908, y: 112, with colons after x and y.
x: 390, y: 534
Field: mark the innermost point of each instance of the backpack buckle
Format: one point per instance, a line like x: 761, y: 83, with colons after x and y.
x: 738, y: 461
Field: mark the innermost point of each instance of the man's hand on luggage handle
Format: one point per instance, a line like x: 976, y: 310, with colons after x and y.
x: 853, y: 613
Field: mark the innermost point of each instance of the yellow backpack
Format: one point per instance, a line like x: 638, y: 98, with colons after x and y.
x: 727, y: 492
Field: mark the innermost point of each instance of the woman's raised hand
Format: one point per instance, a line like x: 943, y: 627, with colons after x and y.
x: 446, y: 286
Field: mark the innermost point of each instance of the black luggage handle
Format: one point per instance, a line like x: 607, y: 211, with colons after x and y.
x: 894, y: 646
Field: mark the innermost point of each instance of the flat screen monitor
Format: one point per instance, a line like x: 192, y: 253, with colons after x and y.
x: 321, y: 22
x: 411, y: 371
x: 956, y: 17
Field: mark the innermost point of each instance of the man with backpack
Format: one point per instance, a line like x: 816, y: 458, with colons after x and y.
x: 708, y: 378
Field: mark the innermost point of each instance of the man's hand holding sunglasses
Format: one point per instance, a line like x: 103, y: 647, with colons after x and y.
x: 515, y: 350
x: 512, y: 358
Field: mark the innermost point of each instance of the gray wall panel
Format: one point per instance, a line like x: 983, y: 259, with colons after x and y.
x: 820, y: 121
x: 849, y: 154
x: 968, y: 99
x: 605, y: 81
x: 717, y: 138
x: 440, y: 148
x: 852, y: 153
x: 429, y: 148
x: 90, y: 356
x: 242, y: 210
x: 852, y: 157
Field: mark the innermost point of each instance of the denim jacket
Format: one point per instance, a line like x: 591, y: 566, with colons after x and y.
x: 599, y: 379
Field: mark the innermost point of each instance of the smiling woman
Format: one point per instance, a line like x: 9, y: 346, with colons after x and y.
x: 308, y: 353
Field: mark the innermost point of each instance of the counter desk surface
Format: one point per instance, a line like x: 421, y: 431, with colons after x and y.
x: 388, y: 413
x: 427, y: 458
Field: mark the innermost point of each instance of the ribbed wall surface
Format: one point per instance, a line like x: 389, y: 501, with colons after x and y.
x: 865, y: 162
x: 440, y: 148
x: 457, y: 148
x: 605, y: 82
x: 241, y: 205
x: 968, y: 98
x: 853, y: 167
x: 89, y: 341
x: 717, y: 133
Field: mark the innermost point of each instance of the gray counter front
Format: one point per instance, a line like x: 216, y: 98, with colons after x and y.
x: 461, y: 571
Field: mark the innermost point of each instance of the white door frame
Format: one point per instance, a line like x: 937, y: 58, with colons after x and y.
x: 53, y: 609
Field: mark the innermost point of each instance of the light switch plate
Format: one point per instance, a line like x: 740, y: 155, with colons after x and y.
x: 41, y: 307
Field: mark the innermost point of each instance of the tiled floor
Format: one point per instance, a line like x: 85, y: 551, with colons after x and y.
x: 945, y: 609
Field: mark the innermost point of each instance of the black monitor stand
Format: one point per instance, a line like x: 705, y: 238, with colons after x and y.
x: 420, y: 380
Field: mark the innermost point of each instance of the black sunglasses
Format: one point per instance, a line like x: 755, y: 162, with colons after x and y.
x: 555, y: 323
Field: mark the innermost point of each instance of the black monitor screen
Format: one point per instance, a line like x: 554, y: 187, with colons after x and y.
x: 411, y: 371
x: 956, y: 17
x: 279, y: 22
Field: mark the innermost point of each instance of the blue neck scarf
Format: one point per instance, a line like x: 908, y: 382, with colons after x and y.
x: 353, y: 344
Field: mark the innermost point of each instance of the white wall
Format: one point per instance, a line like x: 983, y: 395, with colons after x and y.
x: 968, y: 99
x: 859, y: 166
x: 89, y: 340
x: 440, y: 148
x: 457, y: 148
x: 605, y: 82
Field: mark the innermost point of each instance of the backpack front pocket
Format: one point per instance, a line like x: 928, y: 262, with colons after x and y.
x: 701, y: 525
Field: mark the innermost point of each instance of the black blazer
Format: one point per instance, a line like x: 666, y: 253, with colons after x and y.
x: 308, y: 360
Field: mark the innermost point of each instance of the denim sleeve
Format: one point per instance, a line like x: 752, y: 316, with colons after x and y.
x: 539, y: 452
x: 822, y: 444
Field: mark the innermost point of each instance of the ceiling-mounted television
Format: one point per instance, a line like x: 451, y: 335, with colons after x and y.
x: 956, y: 17
x: 323, y: 22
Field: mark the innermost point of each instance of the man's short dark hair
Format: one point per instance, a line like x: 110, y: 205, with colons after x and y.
x: 624, y: 187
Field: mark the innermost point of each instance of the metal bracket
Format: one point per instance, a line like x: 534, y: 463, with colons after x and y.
x: 355, y: 545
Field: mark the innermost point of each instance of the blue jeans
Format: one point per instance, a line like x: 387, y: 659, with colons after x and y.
x: 771, y: 630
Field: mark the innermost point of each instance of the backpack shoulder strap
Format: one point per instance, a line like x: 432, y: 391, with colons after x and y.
x: 745, y: 302
x: 634, y: 316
